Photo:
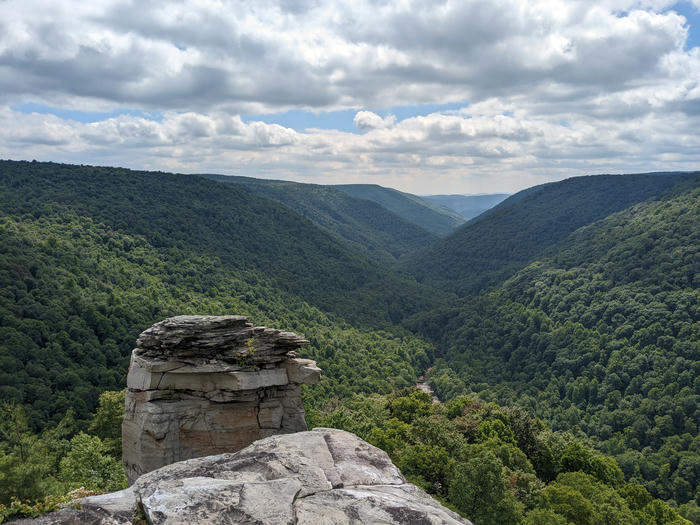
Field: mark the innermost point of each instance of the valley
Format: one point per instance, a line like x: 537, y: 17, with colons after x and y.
x: 560, y: 328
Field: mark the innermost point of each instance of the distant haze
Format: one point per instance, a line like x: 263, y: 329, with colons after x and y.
x: 468, y: 206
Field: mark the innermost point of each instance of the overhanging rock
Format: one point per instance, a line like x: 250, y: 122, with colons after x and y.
x: 203, y: 385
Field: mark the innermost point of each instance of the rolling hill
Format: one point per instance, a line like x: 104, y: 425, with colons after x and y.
x: 590, y: 322
x: 243, y: 230
x: 428, y: 215
x: 492, y: 247
x: 93, y: 256
x: 361, y: 224
x: 599, y: 337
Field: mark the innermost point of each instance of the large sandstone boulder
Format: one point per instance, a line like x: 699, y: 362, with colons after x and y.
x: 203, y: 385
x: 317, y: 477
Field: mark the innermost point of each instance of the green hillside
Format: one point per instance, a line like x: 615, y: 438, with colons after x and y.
x: 93, y: 256
x: 592, y: 323
x: 428, y: 215
x: 497, y: 465
x: 362, y: 224
x: 244, y: 231
x: 468, y: 206
x: 492, y: 247
x: 601, y: 338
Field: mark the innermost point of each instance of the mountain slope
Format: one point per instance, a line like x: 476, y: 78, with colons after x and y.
x: 468, y: 206
x: 362, y: 224
x: 492, y: 247
x: 419, y: 211
x: 243, y: 230
x: 601, y: 337
x: 93, y: 256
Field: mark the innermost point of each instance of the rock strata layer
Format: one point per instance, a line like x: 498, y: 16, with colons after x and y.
x: 203, y: 385
x: 323, y: 476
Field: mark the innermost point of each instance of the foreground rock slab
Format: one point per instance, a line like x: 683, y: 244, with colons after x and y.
x: 202, y: 385
x: 323, y: 476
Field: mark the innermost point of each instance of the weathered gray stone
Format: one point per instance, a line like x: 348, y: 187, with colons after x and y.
x: 400, y: 504
x: 270, y: 415
x: 202, y: 385
x: 118, y: 504
x: 117, y: 508
x: 228, y: 338
x: 140, y: 379
x: 194, y: 333
x: 302, y: 371
x: 211, y: 500
x: 323, y: 476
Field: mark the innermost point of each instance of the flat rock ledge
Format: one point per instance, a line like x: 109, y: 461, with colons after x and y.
x: 202, y: 385
x: 322, y: 476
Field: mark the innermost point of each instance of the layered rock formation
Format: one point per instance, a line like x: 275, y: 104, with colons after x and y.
x: 203, y: 385
x: 324, y: 476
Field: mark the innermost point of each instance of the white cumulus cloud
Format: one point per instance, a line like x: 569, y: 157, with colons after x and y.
x: 547, y: 88
x: 366, y: 120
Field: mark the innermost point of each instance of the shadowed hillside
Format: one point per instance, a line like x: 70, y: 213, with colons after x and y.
x: 492, y: 247
x: 243, y: 230
x: 601, y: 337
x: 362, y: 224
x: 433, y: 217
x: 93, y: 256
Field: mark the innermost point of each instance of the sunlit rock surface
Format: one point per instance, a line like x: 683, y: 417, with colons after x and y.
x: 323, y: 476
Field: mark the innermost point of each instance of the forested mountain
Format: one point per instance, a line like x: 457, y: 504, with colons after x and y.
x: 363, y: 224
x: 244, y: 231
x: 591, y: 323
x: 468, y: 206
x: 93, y: 256
x: 492, y: 247
x: 601, y: 338
x: 426, y: 214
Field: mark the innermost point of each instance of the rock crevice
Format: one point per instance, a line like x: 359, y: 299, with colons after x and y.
x: 203, y: 385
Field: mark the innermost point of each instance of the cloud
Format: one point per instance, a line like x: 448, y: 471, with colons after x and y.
x: 477, y: 148
x: 366, y: 120
x: 263, y: 56
x: 554, y: 87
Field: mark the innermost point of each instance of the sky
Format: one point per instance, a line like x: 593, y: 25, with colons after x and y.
x: 429, y: 97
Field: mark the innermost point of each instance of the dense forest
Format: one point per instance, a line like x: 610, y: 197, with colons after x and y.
x: 76, y: 292
x: 587, y: 320
x: 362, y: 224
x: 190, y: 215
x: 497, y: 465
x: 430, y: 215
x: 494, y: 245
x: 490, y: 463
x: 602, y: 338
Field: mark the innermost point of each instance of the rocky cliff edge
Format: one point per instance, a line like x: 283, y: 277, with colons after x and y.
x: 322, y: 476
x: 203, y: 385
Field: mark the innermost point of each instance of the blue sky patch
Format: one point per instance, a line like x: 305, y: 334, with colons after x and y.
x: 300, y: 120
x: 692, y: 15
x: 342, y: 120
x: 404, y: 112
